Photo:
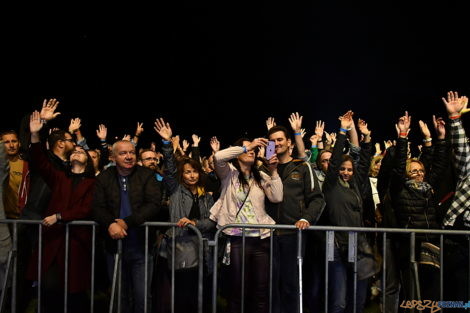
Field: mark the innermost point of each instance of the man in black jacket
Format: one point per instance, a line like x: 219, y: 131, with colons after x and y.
x: 302, y: 206
x: 125, y: 197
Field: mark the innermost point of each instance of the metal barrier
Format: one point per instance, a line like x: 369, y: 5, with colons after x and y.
x: 329, y: 245
x: 116, y: 283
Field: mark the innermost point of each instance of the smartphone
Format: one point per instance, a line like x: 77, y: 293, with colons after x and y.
x: 270, y: 149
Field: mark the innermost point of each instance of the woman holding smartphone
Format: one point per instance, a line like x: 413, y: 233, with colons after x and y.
x: 244, y: 189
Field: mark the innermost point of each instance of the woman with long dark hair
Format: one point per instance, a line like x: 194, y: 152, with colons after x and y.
x: 242, y: 200
x: 343, y: 187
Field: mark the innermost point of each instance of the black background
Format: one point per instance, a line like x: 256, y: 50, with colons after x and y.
x: 220, y: 68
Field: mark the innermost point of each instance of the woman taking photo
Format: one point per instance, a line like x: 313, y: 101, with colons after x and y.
x: 243, y: 193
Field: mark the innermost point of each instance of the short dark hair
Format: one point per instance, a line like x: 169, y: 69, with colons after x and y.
x: 55, y: 136
x: 142, y: 151
x: 279, y: 128
x: 9, y: 132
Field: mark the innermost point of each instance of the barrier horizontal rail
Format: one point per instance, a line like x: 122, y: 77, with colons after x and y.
x: 327, y: 229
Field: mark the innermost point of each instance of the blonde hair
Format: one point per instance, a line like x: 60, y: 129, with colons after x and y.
x: 408, y: 166
x: 372, y: 171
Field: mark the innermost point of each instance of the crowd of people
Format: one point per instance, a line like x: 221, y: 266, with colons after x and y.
x: 343, y: 179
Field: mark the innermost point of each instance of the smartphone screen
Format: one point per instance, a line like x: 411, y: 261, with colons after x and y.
x: 270, y: 149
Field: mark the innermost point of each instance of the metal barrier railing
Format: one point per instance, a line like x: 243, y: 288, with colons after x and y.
x: 11, y: 265
x: 329, y: 245
x: 12, y: 261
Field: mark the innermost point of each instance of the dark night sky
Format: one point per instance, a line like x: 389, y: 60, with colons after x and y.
x: 220, y: 68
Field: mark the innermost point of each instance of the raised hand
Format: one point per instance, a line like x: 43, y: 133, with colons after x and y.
x: 403, y: 125
x: 102, y: 132
x: 388, y: 144
x: 185, y: 145
x: 439, y: 126
x: 378, y: 151
x: 215, y: 144
x: 35, y: 124
x: 163, y: 129
x: 196, y: 140
x: 272, y: 164
x: 314, y: 140
x: 319, y: 129
x: 424, y: 129
x: 295, y: 121
x: 362, y: 125
x: 126, y: 137
x: 302, y: 132
x: 454, y: 104
x: 347, y: 121
x: 75, y: 125
x: 153, y: 146
x: 333, y: 138
x: 48, y: 109
x: 140, y: 129
x: 270, y: 123
x: 257, y: 142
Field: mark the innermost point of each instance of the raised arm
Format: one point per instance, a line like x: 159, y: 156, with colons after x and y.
x: 454, y: 106
x: 336, y: 157
x: 221, y: 158
x: 295, y: 121
x: 164, y: 130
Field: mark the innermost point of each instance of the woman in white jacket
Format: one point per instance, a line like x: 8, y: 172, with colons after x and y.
x: 242, y: 200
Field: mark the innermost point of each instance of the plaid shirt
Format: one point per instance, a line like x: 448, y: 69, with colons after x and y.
x: 461, y: 201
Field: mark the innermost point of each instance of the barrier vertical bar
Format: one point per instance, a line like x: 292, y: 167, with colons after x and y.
x: 39, y: 267
x: 93, y: 252
x: 441, y: 272
x: 214, y: 277
x: 173, y: 243
x: 119, y: 282
x: 329, y: 256
x: 146, y: 266
x: 299, y: 264
x: 66, y: 270
x: 384, y: 270
x: 243, y: 273
x: 15, y: 267
x: 271, y: 246
x: 414, y: 265
x: 5, y: 282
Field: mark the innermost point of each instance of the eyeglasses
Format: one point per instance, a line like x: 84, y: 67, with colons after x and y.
x: 345, y: 169
x: 416, y: 171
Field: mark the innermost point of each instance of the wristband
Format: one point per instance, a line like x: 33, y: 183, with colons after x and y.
x: 166, y: 142
x: 43, y: 121
x: 244, y: 149
x: 103, y: 140
x: 314, y: 146
x: 297, y: 134
x: 454, y: 117
x: 58, y: 216
x: 344, y: 130
x: 427, y: 140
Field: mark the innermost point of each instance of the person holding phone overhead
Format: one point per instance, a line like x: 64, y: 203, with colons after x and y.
x: 242, y: 200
